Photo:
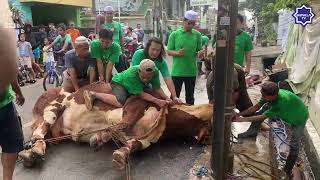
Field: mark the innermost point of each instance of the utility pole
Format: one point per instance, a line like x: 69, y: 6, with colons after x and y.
x: 222, y: 158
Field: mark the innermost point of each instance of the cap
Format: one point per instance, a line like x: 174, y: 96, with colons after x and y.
x: 147, y: 66
x: 108, y: 9
x: 81, y: 40
x: 191, y: 15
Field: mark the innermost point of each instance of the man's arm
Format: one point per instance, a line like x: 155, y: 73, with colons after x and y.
x: 100, y: 69
x: 74, y: 78
x: 19, y: 96
x: 251, y: 110
x: 161, y: 94
x: 248, y: 62
x: 251, y: 119
x: 150, y: 98
x: 170, y: 85
x: 92, y: 74
x: 109, y: 71
x: 8, y: 58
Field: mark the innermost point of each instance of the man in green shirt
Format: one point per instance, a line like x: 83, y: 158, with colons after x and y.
x: 11, y: 136
x: 285, y: 105
x: 131, y: 82
x: 106, y: 52
x: 243, y: 46
x: 62, y: 38
x: 117, y: 30
x: 204, y: 42
x: 154, y: 50
x: 184, y: 45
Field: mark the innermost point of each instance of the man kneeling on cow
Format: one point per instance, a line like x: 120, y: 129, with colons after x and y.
x: 133, y: 81
x: 80, y: 66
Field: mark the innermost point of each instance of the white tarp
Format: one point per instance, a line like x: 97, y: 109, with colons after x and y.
x: 302, y: 56
x: 204, y: 2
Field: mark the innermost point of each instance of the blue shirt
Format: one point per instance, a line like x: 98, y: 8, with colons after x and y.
x: 24, y: 49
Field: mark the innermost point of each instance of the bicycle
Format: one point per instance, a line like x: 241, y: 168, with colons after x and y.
x: 54, y: 77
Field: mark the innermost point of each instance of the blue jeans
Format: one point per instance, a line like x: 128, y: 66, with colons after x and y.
x: 297, y: 133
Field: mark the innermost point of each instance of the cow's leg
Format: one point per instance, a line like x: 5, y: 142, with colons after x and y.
x: 120, y: 156
x: 98, y: 139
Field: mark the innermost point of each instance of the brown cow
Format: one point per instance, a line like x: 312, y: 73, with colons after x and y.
x: 57, y: 113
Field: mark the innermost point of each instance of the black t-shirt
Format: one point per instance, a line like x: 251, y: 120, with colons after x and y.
x: 80, y: 65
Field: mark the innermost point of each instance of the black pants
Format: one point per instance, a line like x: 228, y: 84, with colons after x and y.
x: 11, y: 136
x: 189, y: 85
x: 122, y: 65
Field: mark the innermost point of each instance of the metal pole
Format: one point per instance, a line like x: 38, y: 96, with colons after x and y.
x: 222, y: 95
x: 119, y: 10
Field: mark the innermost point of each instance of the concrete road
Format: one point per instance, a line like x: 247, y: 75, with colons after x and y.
x: 169, y: 159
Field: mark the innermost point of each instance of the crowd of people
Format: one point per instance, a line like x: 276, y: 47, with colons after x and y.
x: 90, y: 59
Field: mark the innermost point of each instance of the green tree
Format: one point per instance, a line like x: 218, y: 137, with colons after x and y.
x: 266, y: 12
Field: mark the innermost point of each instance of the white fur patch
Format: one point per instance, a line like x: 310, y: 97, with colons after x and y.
x: 49, y: 116
x: 38, y: 131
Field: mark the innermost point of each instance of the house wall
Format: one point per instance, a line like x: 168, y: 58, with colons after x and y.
x: 44, y: 14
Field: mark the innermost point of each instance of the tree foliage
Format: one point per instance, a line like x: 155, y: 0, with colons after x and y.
x: 266, y: 12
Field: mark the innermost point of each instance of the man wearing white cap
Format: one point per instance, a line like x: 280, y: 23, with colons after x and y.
x: 117, y: 30
x: 185, y: 45
x: 131, y: 82
x: 80, y: 66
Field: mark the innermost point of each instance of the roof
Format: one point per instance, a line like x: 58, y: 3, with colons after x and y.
x: 79, y: 3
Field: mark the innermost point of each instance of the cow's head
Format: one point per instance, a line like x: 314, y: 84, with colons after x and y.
x: 197, y: 120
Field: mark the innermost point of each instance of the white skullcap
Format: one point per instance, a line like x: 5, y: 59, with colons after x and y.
x: 81, y: 40
x: 108, y: 9
x: 191, y: 15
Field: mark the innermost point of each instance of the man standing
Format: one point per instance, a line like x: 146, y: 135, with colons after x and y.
x: 243, y: 46
x: 118, y: 38
x: 81, y: 67
x: 106, y: 52
x: 139, y: 31
x: 11, y: 136
x: 204, y: 42
x: 184, y: 45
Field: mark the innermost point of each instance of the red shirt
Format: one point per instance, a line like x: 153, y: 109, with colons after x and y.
x: 74, y: 33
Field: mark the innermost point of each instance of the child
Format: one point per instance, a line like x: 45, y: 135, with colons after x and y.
x: 285, y: 105
x: 26, y: 56
x: 48, y: 57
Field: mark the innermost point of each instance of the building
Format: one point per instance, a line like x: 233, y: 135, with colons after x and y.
x: 45, y: 11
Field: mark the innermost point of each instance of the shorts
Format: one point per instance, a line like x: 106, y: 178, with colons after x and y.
x: 11, y: 136
x: 26, y: 61
x: 36, y: 53
x: 120, y: 92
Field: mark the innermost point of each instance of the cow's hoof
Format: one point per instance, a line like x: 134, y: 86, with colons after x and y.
x: 39, y: 148
x: 28, y: 158
x: 120, y: 158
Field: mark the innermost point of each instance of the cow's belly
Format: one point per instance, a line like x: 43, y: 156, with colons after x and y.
x: 78, y: 120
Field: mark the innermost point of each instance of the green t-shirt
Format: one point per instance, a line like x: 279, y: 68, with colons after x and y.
x: 204, y: 40
x: 243, y: 45
x: 117, y: 30
x: 185, y: 66
x: 111, y: 53
x: 7, y: 97
x: 130, y: 80
x: 59, y: 38
x: 161, y: 64
x: 289, y: 107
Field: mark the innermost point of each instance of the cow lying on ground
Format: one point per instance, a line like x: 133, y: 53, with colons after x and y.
x: 57, y: 113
